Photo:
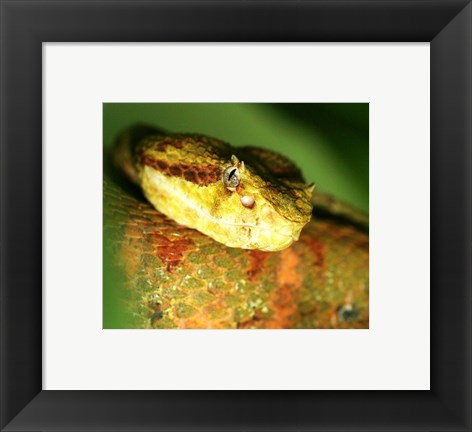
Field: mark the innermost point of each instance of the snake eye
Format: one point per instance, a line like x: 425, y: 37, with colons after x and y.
x: 231, y: 178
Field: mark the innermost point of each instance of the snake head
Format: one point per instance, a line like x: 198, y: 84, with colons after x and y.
x: 202, y: 183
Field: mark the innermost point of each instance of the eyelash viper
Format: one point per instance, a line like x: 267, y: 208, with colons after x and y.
x: 170, y: 276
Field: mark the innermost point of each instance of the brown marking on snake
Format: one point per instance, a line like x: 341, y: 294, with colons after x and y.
x: 318, y: 250
x: 169, y: 142
x: 201, y: 175
x: 163, y: 165
x: 272, y: 189
x: 175, y: 170
x: 213, y: 175
x: 190, y: 176
x: 172, y: 251
x: 257, y: 260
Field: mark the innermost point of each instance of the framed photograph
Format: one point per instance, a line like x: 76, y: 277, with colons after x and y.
x: 239, y: 202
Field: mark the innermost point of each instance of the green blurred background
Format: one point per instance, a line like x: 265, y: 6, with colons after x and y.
x: 329, y: 142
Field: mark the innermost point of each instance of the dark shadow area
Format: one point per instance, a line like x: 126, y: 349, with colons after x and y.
x: 111, y: 173
x: 340, y: 219
x: 344, y: 126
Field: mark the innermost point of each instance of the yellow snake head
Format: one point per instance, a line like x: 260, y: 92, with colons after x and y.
x: 244, y: 197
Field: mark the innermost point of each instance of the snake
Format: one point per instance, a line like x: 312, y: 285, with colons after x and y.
x: 202, y: 234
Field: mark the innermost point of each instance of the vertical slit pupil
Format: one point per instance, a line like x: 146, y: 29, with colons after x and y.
x: 231, y: 174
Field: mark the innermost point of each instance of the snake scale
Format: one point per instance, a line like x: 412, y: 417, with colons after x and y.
x: 166, y: 275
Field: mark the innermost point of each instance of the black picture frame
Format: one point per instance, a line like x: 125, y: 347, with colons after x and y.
x: 25, y: 25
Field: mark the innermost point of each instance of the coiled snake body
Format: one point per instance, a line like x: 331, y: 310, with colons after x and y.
x: 171, y: 276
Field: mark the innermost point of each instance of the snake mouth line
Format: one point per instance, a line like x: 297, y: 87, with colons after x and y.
x: 279, y: 230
